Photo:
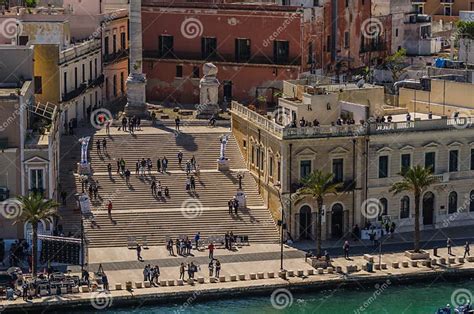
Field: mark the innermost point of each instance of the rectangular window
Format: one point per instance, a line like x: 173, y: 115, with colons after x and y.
x: 430, y: 161
x: 165, y: 46
x: 83, y: 72
x: 90, y: 70
x: 208, y: 47
x: 383, y: 166
x: 179, y: 71
x: 346, y: 40
x: 396, y: 32
x: 262, y: 160
x: 75, y: 78
x: 305, y: 168
x: 36, y: 180
x: 405, y: 162
x: 122, y: 41
x: 242, y: 49
x: 122, y: 83
x: 95, y: 68
x: 195, y: 72
x: 23, y: 40
x: 270, y: 167
x: 279, y: 171
x: 281, y: 51
x: 114, y: 86
x: 453, y: 160
x: 114, y: 43
x: 106, y: 45
x: 472, y: 158
x: 328, y: 43
x: 244, y: 143
x: 310, y: 52
x: 347, y: 3
x: 38, y: 85
x: 65, y: 82
x: 447, y: 10
x: 338, y: 169
x: 252, y: 155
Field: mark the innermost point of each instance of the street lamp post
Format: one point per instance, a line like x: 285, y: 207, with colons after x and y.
x: 282, y: 225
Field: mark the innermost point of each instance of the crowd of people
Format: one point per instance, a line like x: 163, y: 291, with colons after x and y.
x: 133, y: 124
x: 152, y: 274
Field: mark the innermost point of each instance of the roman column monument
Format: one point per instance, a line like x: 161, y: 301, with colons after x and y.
x: 136, y: 81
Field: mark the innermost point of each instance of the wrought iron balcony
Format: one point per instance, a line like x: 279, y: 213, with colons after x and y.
x: 117, y: 56
x: 83, y: 87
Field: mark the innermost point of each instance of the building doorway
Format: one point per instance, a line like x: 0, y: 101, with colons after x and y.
x: 305, y: 223
x: 428, y: 208
x: 337, y: 217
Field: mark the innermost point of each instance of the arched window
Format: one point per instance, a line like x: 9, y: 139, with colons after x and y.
x: 471, y: 203
x: 452, y: 202
x: 405, y: 207
x: 384, y: 209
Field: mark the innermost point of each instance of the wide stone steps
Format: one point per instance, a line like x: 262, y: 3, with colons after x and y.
x: 204, y: 147
x: 156, y: 226
x: 213, y: 189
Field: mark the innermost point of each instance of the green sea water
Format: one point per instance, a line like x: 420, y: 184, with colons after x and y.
x: 386, y: 298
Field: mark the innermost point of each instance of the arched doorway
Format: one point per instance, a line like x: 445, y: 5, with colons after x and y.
x: 428, y: 208
x: 337, y: 217
x: 305, y: 223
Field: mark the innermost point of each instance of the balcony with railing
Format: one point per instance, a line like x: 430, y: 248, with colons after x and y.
x: 219, y: 57
x: 116, y: 56
x: 82, y: 88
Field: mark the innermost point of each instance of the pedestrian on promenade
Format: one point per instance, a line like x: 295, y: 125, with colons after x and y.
x: 210, y: 247
x: 193, y: 162
x: 97, y: 143
x: 192, y: 182
x: 189, y: 246
x: 236, y: 206
x: 169, y: 246
x: 95, y: 189
x: 449, y: 244
x: 178, y: 251
x: 211, y: 268
x: 109, y: 208
x: 118, y: 165
x: 188, y: 167
x: 182, y: 268
x: 153, y: 187
x: 139, y: 251
x: 85, y: 277
x: 231, y: 240
x: 226, y: 240
x: 124, y: 124
x: 165, y: 164
x: 180, y: 158
x: 167, y: 192
x: 345, y: 247
x: 139, y: 122
x: 146, y: 272
x: 176, y: 123
x: 104, y: 144
x: 197, y: 237
x: 466, y: 249
x: 137, y: 167
x: 109, y: 169
x: 107, y: 127
x: 158, y: 165
x: 127, y: 176
x: 218, y: 268
x: 105, y: 282
x: 156, y: 276
x: 122, y: 165
x: 230, y: 205
x: 188, y: 184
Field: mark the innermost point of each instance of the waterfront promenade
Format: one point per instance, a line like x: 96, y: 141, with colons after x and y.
x: 123, y: 267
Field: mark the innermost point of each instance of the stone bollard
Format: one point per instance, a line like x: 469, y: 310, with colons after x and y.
x: 147, y: 284
x: 163, y: 283
x: 442, y: 261
x: 233, y: 277
x: 291, y: 273
x: 282, y: 274
x: 253, y: 276
x: 63, y: 290
x: 85, y: 289
x: 242, y: 277
x: 470, y: 259
x: 222, y: 278
x: 260, y: 275
x: 191, y: 281
x: 414, y: 263
x: 434, y: 261
x: 201, y: 280
x: 384, y: 266
x: 461, y: 260
x: 138, y: 284
x: 271, y: 274
x: 377, y: 266
x: 76, y: 289
x: 395, y: 265
x: 300, y: 273
x: 212, y: 279
x: 338, y: 269
x: 330, y: 270
x: 118, y: 286
x: 405, y: 264
x: 44, y: 292
x: 310, y: 272
x: 171, y: 282
x: 320, y: 271
x: 451, y: 260
x: 180, y: 282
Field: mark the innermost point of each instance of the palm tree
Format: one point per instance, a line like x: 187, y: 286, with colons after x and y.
x: 416, y: 179
x: 34, y: 209
x: 318, y: 184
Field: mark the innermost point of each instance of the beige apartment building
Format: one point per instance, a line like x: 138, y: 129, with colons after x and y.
x: 366, y: 157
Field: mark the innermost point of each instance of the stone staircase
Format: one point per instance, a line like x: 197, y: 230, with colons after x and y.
x: 136, y: 212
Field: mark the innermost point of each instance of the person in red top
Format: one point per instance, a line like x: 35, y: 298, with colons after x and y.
x: 109, y: 208
x: 211, y: 250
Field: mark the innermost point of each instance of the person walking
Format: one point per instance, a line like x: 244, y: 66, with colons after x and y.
x: 177, y: 121
x: 146, y: 272
x: 170, y: 247
x: 109, y: 208
x: 153, y: 187
x: 118, y: 165
x: 107, y: 127
x: 97, y: 143
x: 127, y: 176
x: 466, y: 249
x: 104, y: 144
x: 139, y: 252
x: 197, y: 237
x: 137, y: 167
x: 109, y: 168
x: 182, y: 269
x: 25, y: 290
x: 156, y: 276
x: 218, y: 268
x: 180, y: 158
x: 158, y: 165
x: 449, y: 244
x: 188, y: 167
x: 210, y: 247
x: 231, y: 205
x: 211, y: 268
x: 226, y: 240
x: 165, y: 164
x: 236, y: 206
x: 177, y: 247
x: 345, y: 247
x: 193, y: 183
x: 105, y: 282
